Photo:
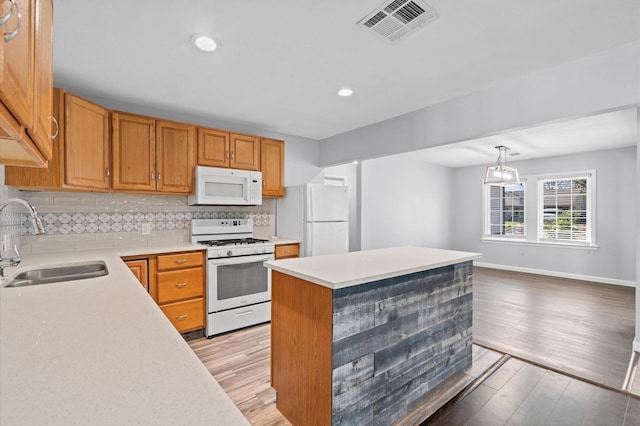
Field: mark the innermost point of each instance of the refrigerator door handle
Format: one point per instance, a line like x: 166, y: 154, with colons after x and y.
x: 310, y: 243
x: 310, y: 199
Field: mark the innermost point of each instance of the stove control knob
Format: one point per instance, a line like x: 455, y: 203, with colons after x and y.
x: 220, y: 253
x: 229, y: 253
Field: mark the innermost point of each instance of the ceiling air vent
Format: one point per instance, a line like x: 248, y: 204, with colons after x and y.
x: 396, y: 19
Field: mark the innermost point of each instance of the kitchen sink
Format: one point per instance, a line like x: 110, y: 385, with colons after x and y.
x: 55, y: 274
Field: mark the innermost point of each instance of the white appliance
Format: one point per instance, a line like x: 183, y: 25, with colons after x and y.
x: 231, y: 187
x: 317, y: 215
x: 238, y: 285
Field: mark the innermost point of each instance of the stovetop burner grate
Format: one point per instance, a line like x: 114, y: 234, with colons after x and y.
x: 232, y: 242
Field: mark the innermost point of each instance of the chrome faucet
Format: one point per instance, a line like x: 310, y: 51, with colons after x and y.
x: 37, y: 224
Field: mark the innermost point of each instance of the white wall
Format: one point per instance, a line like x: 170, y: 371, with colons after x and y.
x: 405, y: 202
x: 596, y: 83
x: 616, y: 216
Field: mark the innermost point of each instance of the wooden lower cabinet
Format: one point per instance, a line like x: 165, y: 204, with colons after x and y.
x: 185, y: 316
x: 177, y: 284
x: 140, y: 268
x: 285, y: 251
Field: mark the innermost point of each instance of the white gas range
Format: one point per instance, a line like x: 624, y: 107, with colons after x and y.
x: 238, y: 285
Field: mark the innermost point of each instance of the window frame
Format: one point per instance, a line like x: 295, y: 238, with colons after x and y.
x: 590, y: 176
x: 533, y: 215
x: 487, y: 215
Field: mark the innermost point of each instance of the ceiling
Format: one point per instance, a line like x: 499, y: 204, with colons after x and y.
x: 282, y: 61
x: 616, y: 129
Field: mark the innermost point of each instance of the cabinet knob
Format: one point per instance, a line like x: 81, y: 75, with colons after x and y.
x: 181, y: 261
x: 180, y: 285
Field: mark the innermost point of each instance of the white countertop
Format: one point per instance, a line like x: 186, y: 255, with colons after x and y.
x: 359, y: 267
x: 283, y: 240
x: 100, y: 352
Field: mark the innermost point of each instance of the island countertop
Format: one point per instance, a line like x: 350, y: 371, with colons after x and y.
x: 99, y: 351
x: 354, y: 268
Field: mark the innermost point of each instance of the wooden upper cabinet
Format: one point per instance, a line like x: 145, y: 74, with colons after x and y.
x: 80, y: 157
x: 41, y: 132
x: 245, y: 152
x: 26, y: 83
x: 16, y: 83
x: 174, y: 157
x: 133, y: 147
x: 86, y: 144
x: 213, y: 147
x: 272, y: 167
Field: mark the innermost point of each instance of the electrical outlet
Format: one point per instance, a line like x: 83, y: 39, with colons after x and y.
x: 146, y: 228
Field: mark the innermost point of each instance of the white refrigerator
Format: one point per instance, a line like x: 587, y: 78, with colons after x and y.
x: 317, y: 215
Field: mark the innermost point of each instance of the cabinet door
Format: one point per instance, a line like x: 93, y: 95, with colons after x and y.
x: 140, y: 270
x: 86, y: 144
x: 245, y: 152
x: 50, y: 177
x: 213, y: 147
x: 41, y: 131
x: 133, y: 146
x: 174, y: 157
x: 16, y: 82
x: 272, y: 166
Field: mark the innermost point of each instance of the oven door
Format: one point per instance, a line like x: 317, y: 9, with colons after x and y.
x: 237, y: 281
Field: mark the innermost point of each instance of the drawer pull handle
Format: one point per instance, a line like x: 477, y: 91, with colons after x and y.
x: 10, y: 36
x: 241, y: 314
x: 181, y: 317
x: 180, y: 285
x: 181, y: 261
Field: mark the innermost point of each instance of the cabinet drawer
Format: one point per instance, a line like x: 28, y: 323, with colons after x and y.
x: 179, y: 285
x: 187, y: 315
x: 179, y: 260
x: 287, y: 250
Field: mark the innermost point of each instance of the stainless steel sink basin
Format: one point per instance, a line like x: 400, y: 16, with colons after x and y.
x: 55, y: 274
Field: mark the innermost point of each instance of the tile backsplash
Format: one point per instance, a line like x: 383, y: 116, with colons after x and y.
x: 79, y: 221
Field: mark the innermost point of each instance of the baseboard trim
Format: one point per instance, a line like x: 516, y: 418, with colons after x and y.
x: 601, y: 280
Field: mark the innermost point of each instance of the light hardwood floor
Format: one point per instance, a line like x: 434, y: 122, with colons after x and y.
x: 239, y: 361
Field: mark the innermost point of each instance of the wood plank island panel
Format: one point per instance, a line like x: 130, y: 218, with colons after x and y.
x: 391, y: 342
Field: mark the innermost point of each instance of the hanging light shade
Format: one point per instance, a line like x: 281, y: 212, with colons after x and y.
x: 499, y: 173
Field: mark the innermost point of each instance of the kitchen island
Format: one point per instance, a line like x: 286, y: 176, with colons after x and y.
x: 100, y: 351
x: 362, y: 337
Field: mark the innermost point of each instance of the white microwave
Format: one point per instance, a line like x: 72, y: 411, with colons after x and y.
x: 227, y: 187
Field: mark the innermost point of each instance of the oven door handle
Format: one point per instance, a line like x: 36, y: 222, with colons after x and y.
x: 241, y: 259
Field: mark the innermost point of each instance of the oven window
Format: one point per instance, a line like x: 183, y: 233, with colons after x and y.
x: 241, y: 279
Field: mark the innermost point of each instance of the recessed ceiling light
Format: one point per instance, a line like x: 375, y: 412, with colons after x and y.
x: 345, y: 92
x: 204, y: 42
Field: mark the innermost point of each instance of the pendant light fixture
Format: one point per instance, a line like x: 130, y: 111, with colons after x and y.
x: 501, y: 174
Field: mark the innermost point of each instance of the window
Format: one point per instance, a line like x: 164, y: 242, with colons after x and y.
x: 506, y: 210
x: 557, y: 209
x: 564, y: 209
